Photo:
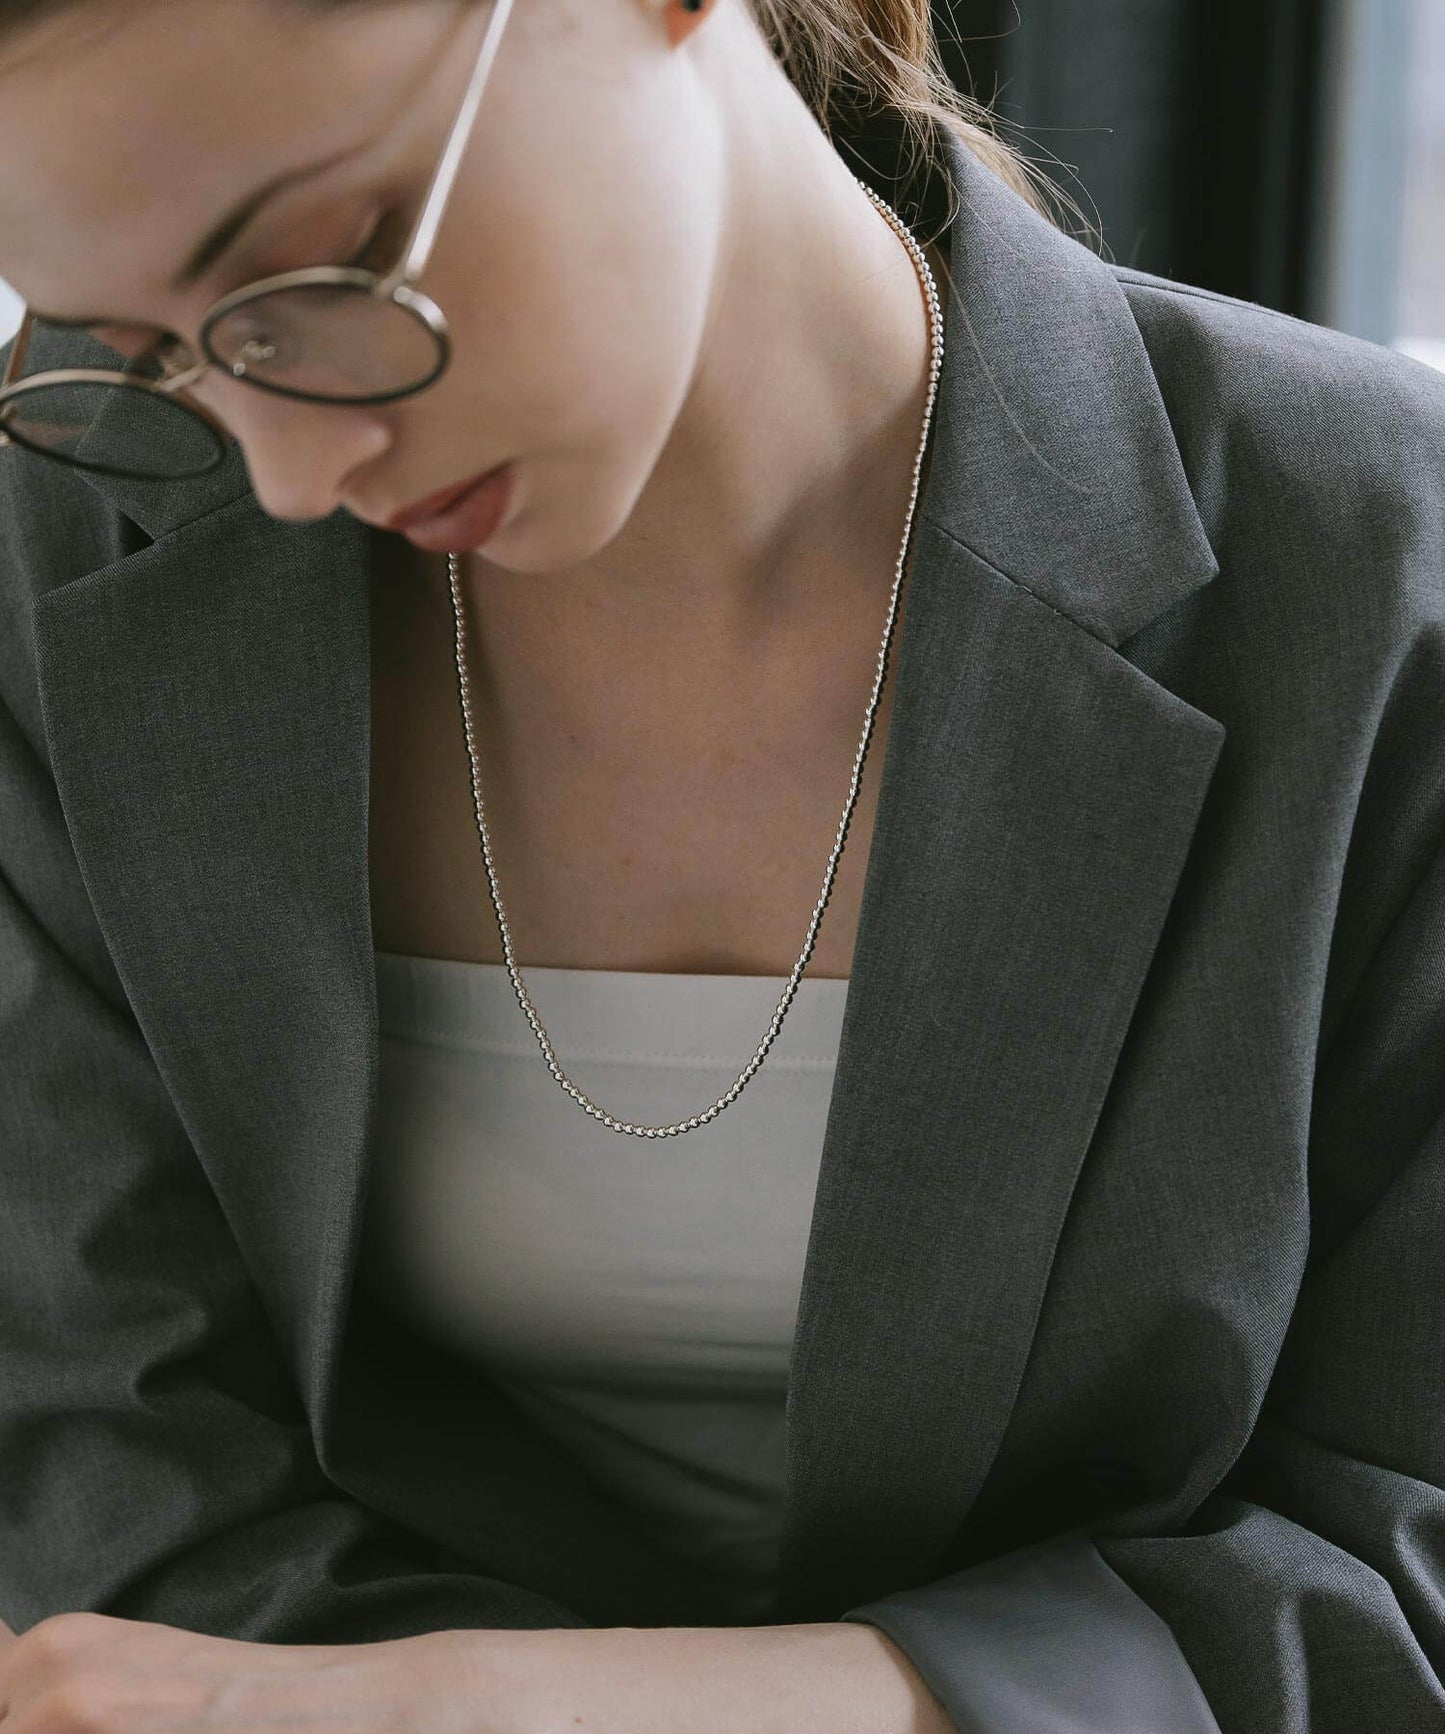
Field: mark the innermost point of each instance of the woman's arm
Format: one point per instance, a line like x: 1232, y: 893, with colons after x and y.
x: 96, y: 1674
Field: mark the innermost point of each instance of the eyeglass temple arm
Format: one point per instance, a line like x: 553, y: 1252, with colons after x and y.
x: 419, y: 245
x: 17, y: 354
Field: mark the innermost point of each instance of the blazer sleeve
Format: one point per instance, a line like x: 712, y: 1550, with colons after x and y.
x: 1307, y: 1593
x: 155, y: 1460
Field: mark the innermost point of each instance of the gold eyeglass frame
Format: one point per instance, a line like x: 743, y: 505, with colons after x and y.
x: 396, y: 285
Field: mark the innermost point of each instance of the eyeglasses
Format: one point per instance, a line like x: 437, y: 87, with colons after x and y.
x: 324, y: 334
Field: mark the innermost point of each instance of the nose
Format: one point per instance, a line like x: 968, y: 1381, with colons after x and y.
x: 299, y: 456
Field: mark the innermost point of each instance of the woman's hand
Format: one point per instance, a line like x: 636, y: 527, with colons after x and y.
x: 91, y: 1674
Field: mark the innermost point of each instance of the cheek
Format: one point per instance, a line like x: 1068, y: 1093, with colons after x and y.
x: 563, y: 344
x: 578, y: 283
x: 630, y: 312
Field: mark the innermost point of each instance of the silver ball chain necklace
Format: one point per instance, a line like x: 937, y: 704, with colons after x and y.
x: 930, y: 289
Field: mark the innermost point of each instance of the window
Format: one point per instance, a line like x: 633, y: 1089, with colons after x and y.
x: 1420, y: 300
x: 1380, y: 264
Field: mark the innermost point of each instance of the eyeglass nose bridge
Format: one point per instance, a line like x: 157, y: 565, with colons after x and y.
x: 189, y: 375
x: 173, y: 382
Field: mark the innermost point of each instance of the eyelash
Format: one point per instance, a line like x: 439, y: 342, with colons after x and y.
x: 372, y: 257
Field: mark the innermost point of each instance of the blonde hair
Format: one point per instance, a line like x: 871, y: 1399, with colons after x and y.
x: 854, y: 60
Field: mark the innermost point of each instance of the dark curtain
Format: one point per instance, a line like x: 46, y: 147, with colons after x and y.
x: 1189, y: 127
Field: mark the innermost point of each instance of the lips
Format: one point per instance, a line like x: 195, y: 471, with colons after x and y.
x: 472, y: 519
x: 432, y: 504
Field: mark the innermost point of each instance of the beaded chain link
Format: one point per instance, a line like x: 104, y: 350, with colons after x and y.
x: 729, y: 1096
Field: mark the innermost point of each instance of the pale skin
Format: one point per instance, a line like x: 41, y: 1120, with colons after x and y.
x: 710, y: 375
x: 90, y: 1674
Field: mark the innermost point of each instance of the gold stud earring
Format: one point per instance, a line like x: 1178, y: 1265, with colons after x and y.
x: 683, y: 16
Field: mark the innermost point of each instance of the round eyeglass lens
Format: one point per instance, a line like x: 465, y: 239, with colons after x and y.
x: 331, y: 342
x: 121, y: 429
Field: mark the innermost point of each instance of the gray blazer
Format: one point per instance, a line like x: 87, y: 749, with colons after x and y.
x: 1116, y: 1397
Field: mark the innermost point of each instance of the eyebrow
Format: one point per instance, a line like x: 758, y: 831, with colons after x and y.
x: 219, y: 240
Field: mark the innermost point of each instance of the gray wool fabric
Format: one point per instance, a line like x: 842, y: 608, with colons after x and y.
x: 1116, y: 1391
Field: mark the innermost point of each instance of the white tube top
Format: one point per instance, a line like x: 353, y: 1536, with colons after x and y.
x: 635, y: 1297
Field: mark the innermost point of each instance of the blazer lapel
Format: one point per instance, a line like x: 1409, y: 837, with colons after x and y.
x: 206, y: 704
x: 207, y: 707
x: 1038, y: 799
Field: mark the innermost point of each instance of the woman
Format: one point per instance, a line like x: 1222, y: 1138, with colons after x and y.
x: 374, y: 1359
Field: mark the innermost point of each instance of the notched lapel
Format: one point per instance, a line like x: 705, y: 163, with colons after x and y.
x: 1038, y: 801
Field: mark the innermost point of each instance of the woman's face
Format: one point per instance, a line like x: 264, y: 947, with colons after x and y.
x: 573, y: 264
